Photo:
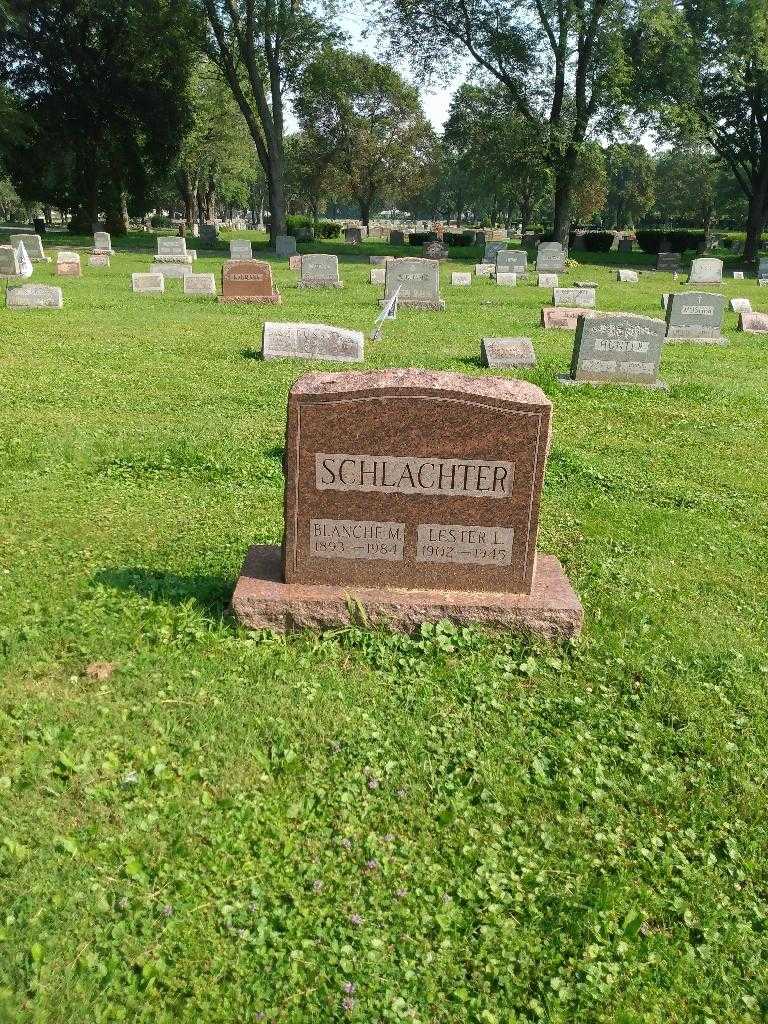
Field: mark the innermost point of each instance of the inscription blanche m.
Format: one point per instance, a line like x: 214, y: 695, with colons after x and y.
x: 474, y: 478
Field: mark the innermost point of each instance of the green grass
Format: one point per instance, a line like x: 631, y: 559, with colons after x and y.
x: 230, y: 827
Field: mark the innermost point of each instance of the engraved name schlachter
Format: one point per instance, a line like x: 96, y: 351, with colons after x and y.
x: 475, y: 478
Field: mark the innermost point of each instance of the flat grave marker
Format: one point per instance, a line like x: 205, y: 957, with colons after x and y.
x: 99, y: 259
x: 548, y: 281
x: 510, y: 280
x: 753, y: 323
x: 460, y: 278
x: 311, y: 341
x: 34, y: 296
x: 171, y: 270
x: 484, y: 270
x: 507, y: 353
x: 148, y: 284
x: 378, y: 275
x: 584, y: 297
x: 628, y: 276
x: 740, y: 306
x: 563, y: 318
x: 200, y: 285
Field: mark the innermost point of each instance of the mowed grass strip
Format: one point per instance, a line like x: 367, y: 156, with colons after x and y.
x: 197, y: 823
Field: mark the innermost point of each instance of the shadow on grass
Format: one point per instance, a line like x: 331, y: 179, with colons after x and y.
x: 474, y: 361
x: 250, y: 353
x: 210, y: 593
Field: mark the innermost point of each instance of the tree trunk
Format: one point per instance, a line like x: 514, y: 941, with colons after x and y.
x: 755, y: 213
x: 276, y: 183
x: 564, y: 175
x: 365, y: 210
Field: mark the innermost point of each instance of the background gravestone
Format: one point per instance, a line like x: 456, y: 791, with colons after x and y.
x: 353, y: 236
x: 34, y: 296
x: 68, y: 264
x: 285, y: 245
x: 492, y: 249
x: 240, y: 249
x: 311, y: 341
x: 584, y: 297
x: 619, y: 347
x: 696, y: 317
x: 762, y: 268
x: 418, y: 281
x: 507, y: 353
x: 9, y: 262
x: 706, y: 271
x: 319, y: 271
x: 627, y: 276
x: 248, y: 281
x: 102, y: 243
x: 435, y: 250
x: 397, y: 237
x: 550, y: 258
x: 668, y: 261
x: 414, y: 496
x: 512, y: 261
x: 148, y: 284
x: 33, y: 244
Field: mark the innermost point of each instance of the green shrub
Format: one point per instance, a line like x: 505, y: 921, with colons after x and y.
x: 420, y: 237
x: 321, y: 229
x: 598, y: 241
x: 327, y: 229
x: 674, y: 240
x: 161, y: 222
x: 458, y: 238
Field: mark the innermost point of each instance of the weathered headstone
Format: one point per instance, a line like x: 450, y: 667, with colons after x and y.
x: 738, y: 275
x: 397, y: 237
x: 484, y: 270
x: 248, y: 281
x: 548, y: 281
x: 353, y: 236
x: 172, y: 249
x: 34, y: 296
x: 551, y: 257
x: 171, y: 270
x: 294, y: 262
x: 200, y: 284
x: 409, y: 497
x: 619, y: 347
x: 378, y: 275
x: 460, y: 278
x: 507, y: 353
x: 696, y: 317
x: 240, y: 249
x: 754, y: 323
x: 435, y: 250
x: 311, y: 341
x: 492, y: 250
x: 762, y: 268
x: 706, y: 271
x: 102, y: 243
x: 741, y: 306
x: 512, y: 261
x: 285, y: 245
x: 33, y: 244
x: 209, y: 234
x: 68, y: 264
x: 625, y: 245
x: 148, y: 284
x: 562, y: 318
x: 508, y: 279
x: 628, y: 276
x: 99, y: 259
x: 418, y: 281
x: 668, y: 261
x: 584, y: 297
x: 320, y: 271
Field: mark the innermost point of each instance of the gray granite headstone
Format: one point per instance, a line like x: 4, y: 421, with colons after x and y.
x: 208, y: 234
x: 668, y: 261
x: 696, y: 316
x: 625, y: 245
x: 32, y: 243
x: 503, y: 353
x: 706, y: 271
x: 396, y: 237
x: 319, y: 271
x: 311, y: 341
x: 102, y: 242
x: 512, y: 261
x: 584, y: 297
x: 171, y: 245
x: 353, y: 236
x: 9, y: 262
x: 240, y: 249
x: 550, y: 258
x: 618, y: 347
x: 492, y: 249
x: 418, y: 281
x: 148, y: 284
x: 285, y: 245
x: 200, y: 284
x: 34, y: 296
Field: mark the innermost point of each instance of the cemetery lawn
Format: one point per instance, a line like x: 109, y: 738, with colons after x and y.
x: 200, y: 824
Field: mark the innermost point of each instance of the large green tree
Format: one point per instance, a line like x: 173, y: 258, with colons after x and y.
x: 631, y: 179
x: 102, y: 85
x: 364, y: 120
x: 565, y: 65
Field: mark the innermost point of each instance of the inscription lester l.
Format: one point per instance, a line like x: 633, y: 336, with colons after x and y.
x: 351, y: 538
x: 399, y: 475
x: 464, y: 545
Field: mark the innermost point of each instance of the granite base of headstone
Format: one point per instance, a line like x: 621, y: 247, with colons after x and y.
x: 34, y: 296
x: 618, y: 348
x: 411, y: 497
x: 312, y: 341
x: 507, y: 353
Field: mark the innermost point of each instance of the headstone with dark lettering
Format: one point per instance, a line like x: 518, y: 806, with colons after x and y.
x: 620, y: 347
x: 311, y: 341
x: 34, y: 296
x: 696, y: 317
x: 507, y: 353
x: 512, y: 261
x: 248, y: 281
x: 319, y: 271
x: 550, y: 258
x: 706, y: 271
x: 418, y: 281
x: 411, y: 497
x: 754, y: 323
